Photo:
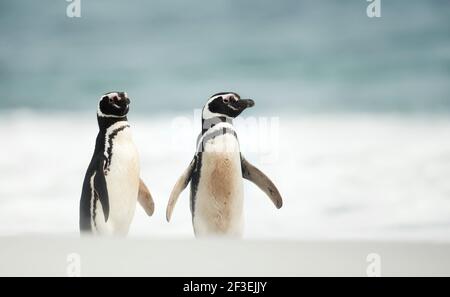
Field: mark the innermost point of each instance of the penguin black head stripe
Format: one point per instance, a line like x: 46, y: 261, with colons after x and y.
x: 114, y: 105
x: 225, y: 104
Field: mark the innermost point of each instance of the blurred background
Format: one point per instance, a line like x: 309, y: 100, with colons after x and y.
x: 352, y: 112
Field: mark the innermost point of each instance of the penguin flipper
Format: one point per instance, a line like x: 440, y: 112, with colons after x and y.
x: 101, y: 189
x: 181, y: 184
x: 256, y: 176
x: 145, y: 199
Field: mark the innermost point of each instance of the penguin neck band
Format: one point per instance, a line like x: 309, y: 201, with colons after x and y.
x: 214, y: 134
x: 104, y: 122
x: 209, y: 123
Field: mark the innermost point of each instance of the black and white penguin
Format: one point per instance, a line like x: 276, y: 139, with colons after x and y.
x: 216, y: 172
x: 112, y: 184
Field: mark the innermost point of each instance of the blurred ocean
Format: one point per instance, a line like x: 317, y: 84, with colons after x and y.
x: 289, y: 55
x: 352, y: 112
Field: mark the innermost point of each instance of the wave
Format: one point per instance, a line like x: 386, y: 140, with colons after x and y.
x: 342, y: 176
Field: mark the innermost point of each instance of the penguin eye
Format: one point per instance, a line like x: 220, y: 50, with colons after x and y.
x: 226, y: 100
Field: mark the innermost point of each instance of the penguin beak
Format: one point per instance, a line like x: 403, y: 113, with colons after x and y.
x: 249, y: 102
x: 127, y: 109
x: 245, y: 103
x: 125, y: 104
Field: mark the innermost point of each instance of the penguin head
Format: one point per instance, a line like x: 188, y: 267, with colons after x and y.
x: 114, y: 104
x: 226, y: 104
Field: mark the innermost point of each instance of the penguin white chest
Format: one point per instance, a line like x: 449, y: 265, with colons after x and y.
x: 122, y: 179
x: 219, y: 199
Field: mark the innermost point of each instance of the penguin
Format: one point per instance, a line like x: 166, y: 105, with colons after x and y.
x: 217, y: 171
x: 112, y: 185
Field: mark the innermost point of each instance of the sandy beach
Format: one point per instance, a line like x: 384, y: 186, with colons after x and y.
x: 58, y: 256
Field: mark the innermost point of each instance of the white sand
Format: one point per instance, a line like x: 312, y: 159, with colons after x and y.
x: 37, y: 256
